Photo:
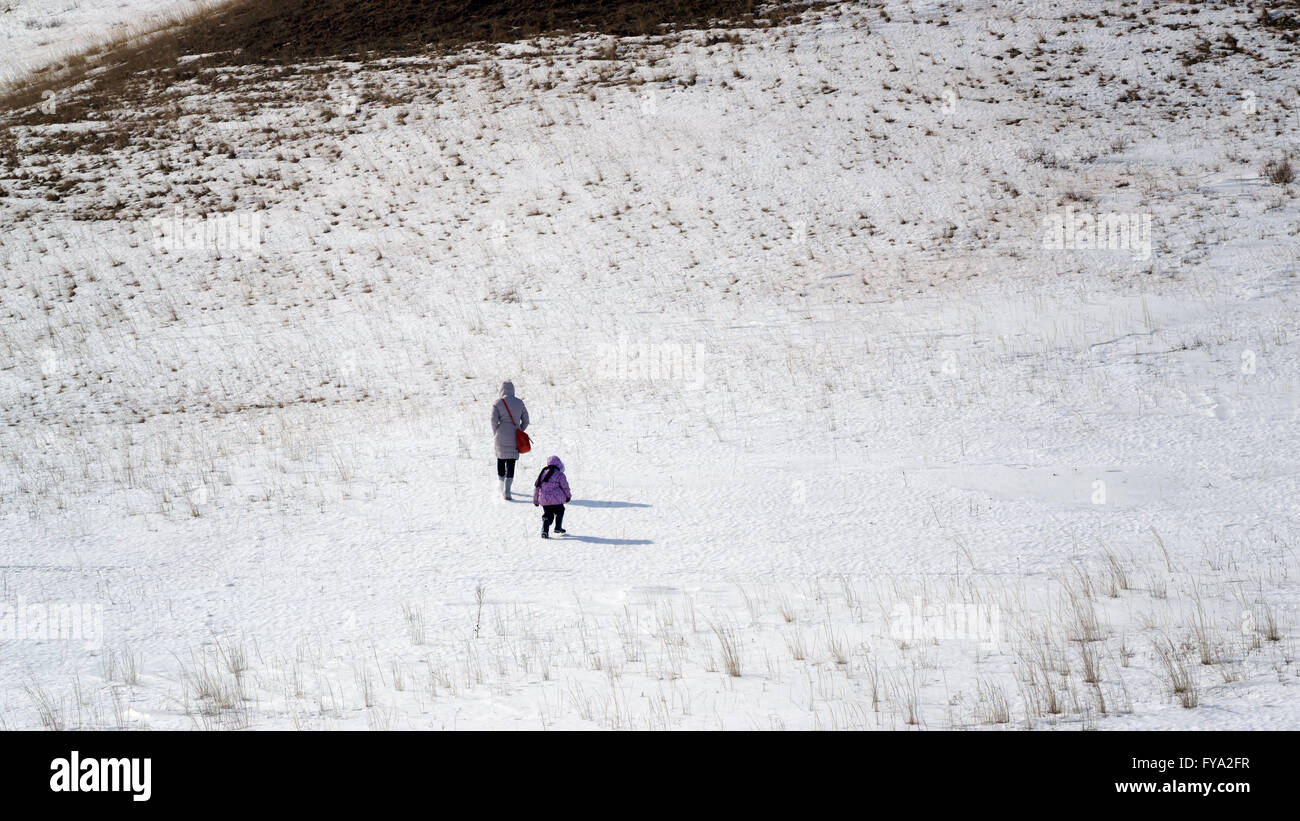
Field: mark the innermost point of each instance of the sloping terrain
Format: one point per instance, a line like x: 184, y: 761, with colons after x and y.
x: 914, y: 364
x: 35, y: 34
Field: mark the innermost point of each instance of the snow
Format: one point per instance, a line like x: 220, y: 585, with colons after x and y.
x: 34, y: 33
x: 881, y: 406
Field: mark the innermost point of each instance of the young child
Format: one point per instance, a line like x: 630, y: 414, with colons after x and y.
x: 551, y: 492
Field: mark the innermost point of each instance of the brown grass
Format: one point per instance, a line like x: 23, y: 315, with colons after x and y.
x: 293, y: 32
x: 260, y: 55
x: 1279, y: 172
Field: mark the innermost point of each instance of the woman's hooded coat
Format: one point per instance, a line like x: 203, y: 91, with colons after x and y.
x: 502, y: 428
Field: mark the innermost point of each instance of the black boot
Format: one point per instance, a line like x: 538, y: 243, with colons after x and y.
x: 559, y: 523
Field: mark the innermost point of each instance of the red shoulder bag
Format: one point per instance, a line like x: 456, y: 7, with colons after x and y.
x: 522, y: 442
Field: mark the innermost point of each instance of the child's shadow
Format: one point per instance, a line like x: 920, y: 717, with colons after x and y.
x: 600, y: 540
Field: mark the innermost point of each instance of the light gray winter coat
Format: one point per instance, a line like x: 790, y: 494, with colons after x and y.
x: 502, y: 429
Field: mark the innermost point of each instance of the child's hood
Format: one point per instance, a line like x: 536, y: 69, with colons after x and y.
x: 555, y: 462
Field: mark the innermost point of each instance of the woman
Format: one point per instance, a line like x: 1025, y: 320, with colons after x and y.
x: 508, y: 415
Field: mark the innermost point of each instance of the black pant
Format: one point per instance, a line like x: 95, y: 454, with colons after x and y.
x: 506, y: 468
x: 550, y: 512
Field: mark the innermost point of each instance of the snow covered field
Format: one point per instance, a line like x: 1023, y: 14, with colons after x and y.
x: 35, y: 32
x: 857, y: 437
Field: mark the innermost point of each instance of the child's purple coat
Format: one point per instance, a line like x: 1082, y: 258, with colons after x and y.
x: 555, y: 490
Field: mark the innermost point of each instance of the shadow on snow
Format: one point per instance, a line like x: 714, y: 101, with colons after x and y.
x: 568, y: 537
